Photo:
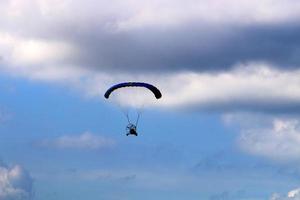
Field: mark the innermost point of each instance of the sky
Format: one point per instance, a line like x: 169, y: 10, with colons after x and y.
x: 226, y: 128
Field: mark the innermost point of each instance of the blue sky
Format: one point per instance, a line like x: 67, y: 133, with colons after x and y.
x: 226, y: 128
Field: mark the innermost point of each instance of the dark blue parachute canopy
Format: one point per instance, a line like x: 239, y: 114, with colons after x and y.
x: 152, y: 88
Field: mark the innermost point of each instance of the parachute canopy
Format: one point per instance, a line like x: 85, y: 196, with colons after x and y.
x: 152, y: 88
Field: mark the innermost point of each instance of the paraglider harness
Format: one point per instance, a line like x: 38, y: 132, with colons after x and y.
x: 131, y: 128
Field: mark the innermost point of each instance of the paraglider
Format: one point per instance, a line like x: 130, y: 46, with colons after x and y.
x: 131, y: 128
x: 152, y: 88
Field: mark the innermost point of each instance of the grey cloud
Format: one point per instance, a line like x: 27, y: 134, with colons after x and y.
x: 195, y: 48
x: 193, y: 45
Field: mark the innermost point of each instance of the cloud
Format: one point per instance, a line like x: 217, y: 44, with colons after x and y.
x: 252, y: 87
x: 280, y: 142
x: 15, y: 183
x: 149, y: 38
x: 153, y: 36
x: 292, y: 195
x: 244, y: 57
x: 85, y: 141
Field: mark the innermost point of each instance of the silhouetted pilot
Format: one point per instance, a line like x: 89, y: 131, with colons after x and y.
x: 132, y: 131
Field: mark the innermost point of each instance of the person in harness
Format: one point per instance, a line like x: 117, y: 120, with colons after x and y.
x: 131, y: 130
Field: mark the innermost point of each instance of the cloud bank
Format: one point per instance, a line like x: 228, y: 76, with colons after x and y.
x: 150, y: 36
x: 244, y: 57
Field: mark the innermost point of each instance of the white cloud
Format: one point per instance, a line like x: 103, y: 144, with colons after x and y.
x: 36, y: 58
x: 15, y: 184
x: 26, y: 51
x: 280, y: 142
x: 84, y: 141
x: 292, y: 195
x: 249, y: 85
x: 253, y: 87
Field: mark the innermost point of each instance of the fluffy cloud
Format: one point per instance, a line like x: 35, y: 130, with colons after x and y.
x: 15, y: 184
x: 252, y: 88
x: 84, y: 141
x: 280, y: 142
